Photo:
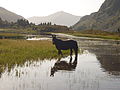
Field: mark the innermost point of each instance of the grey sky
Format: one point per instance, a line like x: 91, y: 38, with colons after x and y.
x: 29, y: 8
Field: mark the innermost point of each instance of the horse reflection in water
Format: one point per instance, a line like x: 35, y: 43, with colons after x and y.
x: 64, y: 45
x: 63, y: 65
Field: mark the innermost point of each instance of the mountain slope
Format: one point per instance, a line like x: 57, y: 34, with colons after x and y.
x: 107, y: 18
x: 8, y: 15
x: 60, y: 18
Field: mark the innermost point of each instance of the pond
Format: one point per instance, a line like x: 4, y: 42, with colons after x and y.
x: 97, y: 68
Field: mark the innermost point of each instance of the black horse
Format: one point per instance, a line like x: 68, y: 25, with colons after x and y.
x: 65, y: 45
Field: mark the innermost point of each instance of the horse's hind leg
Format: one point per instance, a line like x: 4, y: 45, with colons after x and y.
x: 76, y: 53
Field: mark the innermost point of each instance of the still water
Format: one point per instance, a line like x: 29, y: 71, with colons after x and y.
x: 97, y: 68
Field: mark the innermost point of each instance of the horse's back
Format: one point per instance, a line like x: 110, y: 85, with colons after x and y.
x: 70, y: 44
x: 73, y: 43
x: 64, y: 45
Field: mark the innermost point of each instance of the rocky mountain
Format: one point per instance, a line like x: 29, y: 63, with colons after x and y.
x: 107, y: 18
x: 59, y: 18
x: 8, y: 15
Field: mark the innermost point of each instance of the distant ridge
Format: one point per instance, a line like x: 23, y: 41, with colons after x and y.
x: 8, y: 15
x: 60, y: 18
x: 107, y: 18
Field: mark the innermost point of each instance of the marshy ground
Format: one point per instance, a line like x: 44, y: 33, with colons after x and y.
x: 98, y: 66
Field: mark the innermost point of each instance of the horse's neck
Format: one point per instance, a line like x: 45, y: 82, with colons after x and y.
x: 58, y: 40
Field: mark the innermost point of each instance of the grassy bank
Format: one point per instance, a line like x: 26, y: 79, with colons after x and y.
x: 19, y: 31
x: 95, y: 34
x: 11, y: 36
x: 19, y: 51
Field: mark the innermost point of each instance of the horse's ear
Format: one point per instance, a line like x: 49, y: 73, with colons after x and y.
x: 53, y: 35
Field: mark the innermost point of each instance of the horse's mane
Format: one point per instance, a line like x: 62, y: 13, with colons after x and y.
x: 58, y: 39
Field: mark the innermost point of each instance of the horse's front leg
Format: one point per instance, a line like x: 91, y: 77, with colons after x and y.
x: 71, y: 51
x: 60, y: 52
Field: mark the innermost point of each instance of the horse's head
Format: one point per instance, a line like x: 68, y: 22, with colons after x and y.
x: 53, y: 38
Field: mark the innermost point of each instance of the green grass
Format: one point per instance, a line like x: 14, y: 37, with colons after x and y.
x: 19, y: 51
x: 12, y: 36
x: 25, y: 31
x: 95, y: 34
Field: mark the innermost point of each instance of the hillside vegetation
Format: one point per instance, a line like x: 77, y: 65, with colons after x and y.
x: 8, y: 15
x: 107, y: 18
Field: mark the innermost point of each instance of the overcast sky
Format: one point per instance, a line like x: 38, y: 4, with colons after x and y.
x: 29, y: 8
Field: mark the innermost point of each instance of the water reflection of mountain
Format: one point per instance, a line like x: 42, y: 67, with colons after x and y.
x: 107, y: 52
x: 111, y: 64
